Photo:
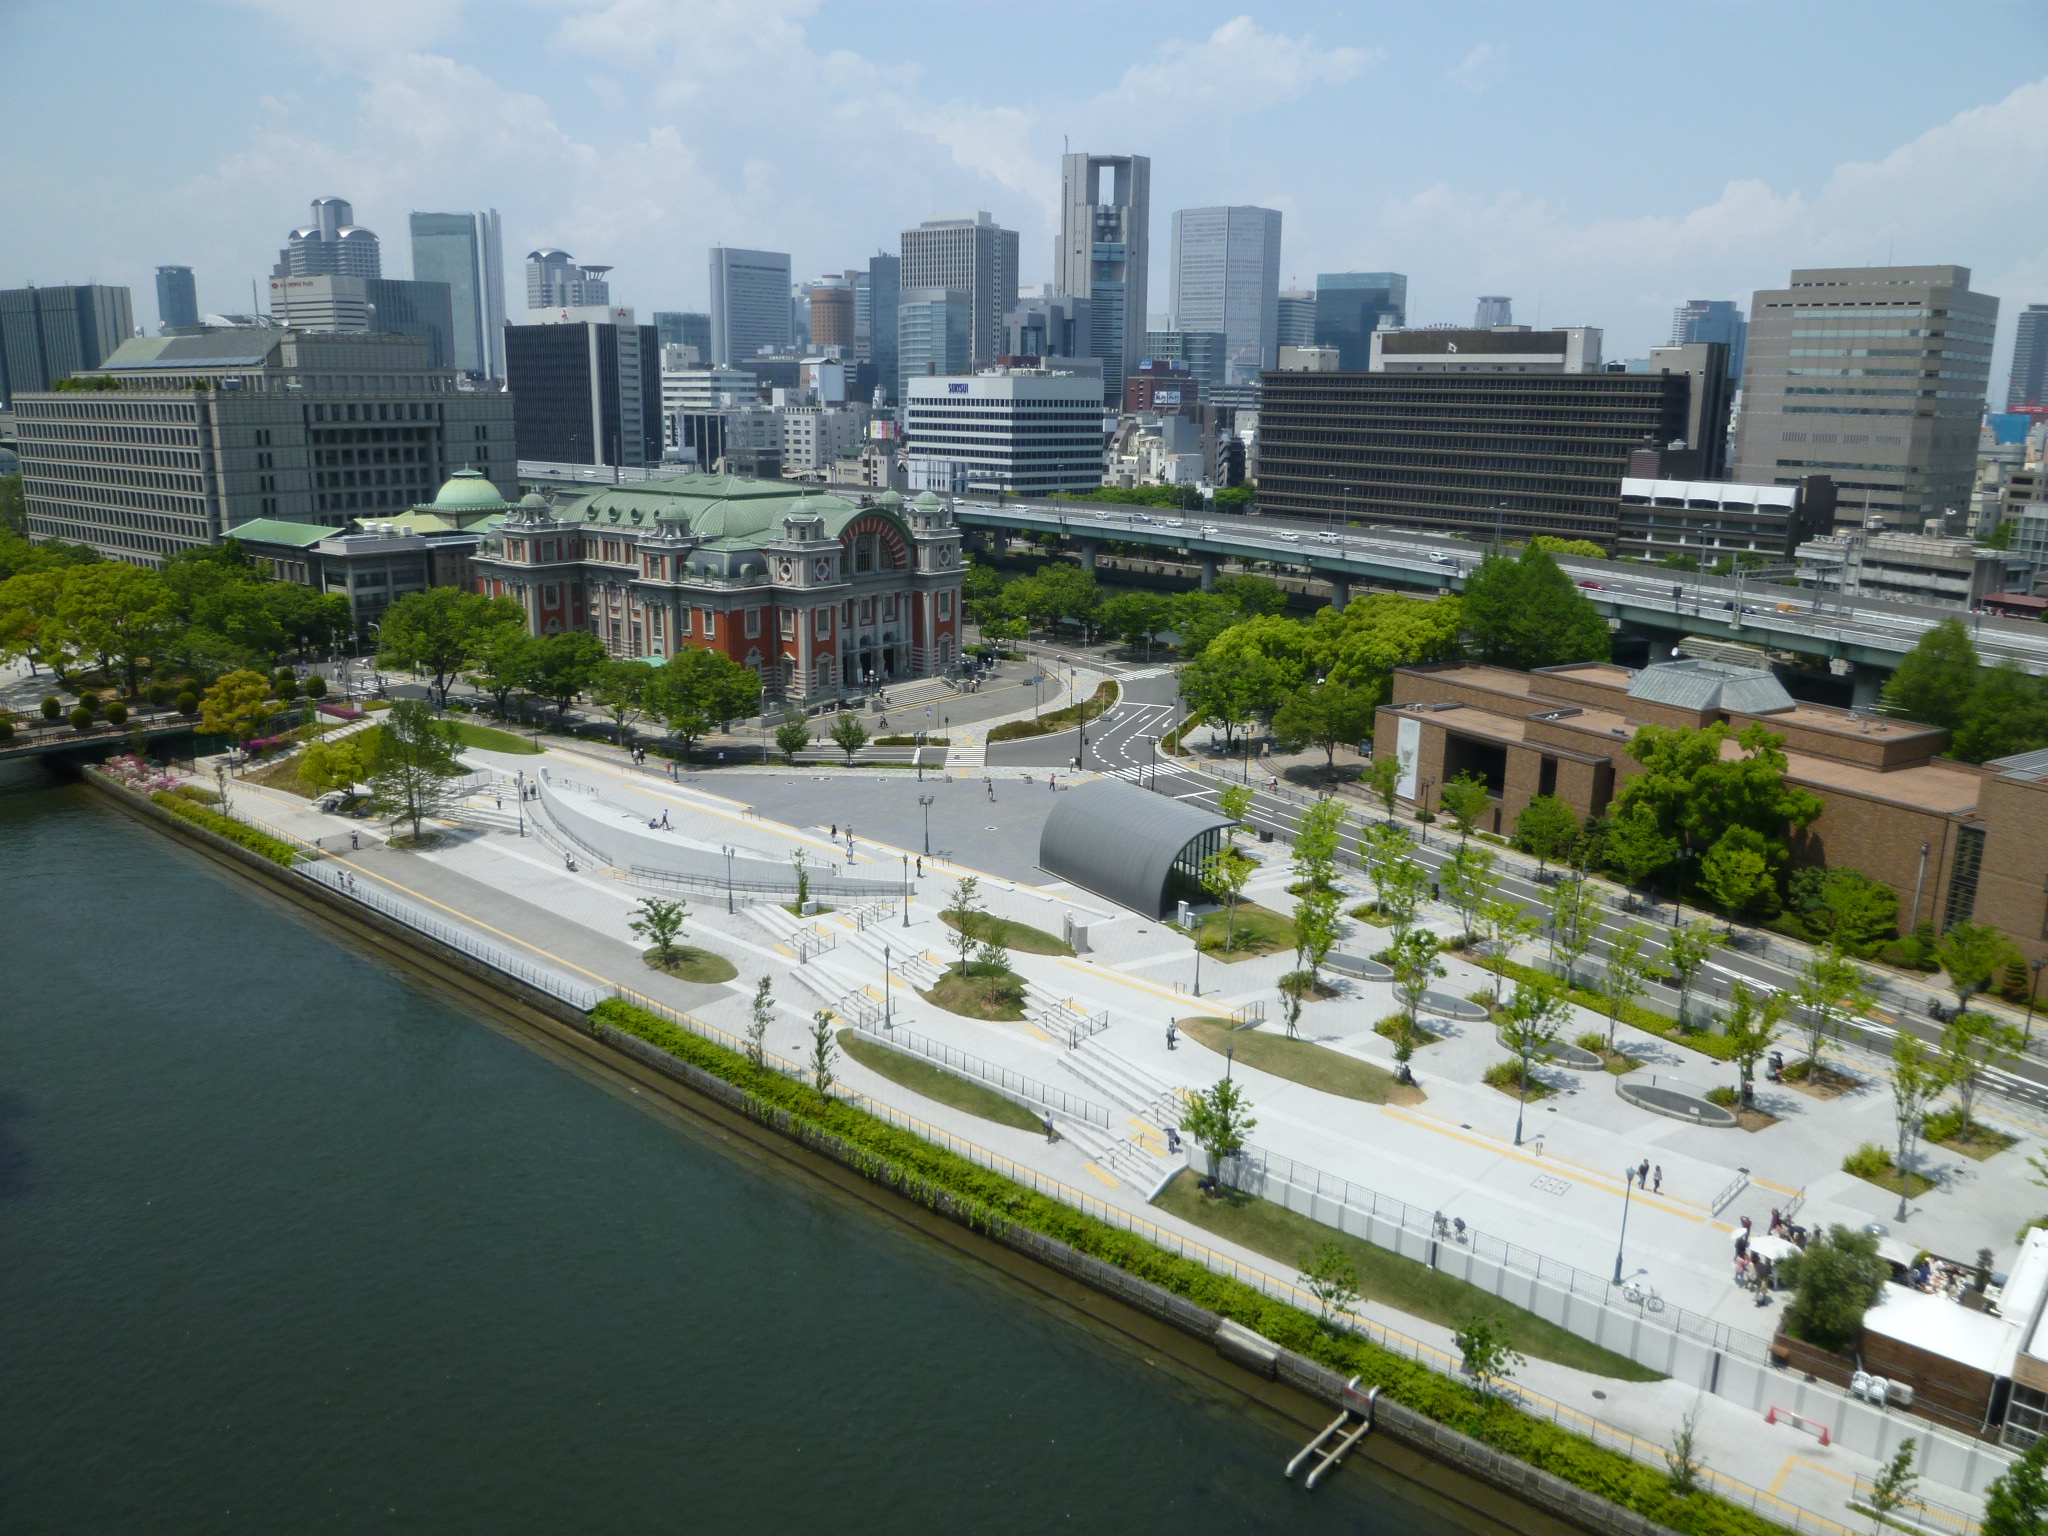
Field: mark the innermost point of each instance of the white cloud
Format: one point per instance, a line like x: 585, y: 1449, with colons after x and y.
x: 1479, y: 68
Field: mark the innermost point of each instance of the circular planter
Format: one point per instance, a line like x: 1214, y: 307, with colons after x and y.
x: 1359, y: 966
x: 1562, y: 1053
x: 1676, y: 1102
x: 1446, y: 1006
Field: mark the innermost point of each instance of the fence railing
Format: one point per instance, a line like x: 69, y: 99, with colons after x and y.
x: 1014, y: 1084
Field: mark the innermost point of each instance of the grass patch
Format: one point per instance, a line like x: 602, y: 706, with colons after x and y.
x: 1872, y: 1164
x: 1611, y: 1060
x: 490, y: 738
x: 936, y: 1083
x: 1369, y: 912
x: 405, y: 842
x: 1750, y: 1119
x: 1269, y: 1228
x: 931, y: 739
x: 275, y: 849
x: 1507, y: 1077
x: 283, y: 773
x: 1012, y: 935
x: 1299, y: 1061
x: 1103, y: 699
x: 197, y: 793
x: 1646, y: 1019
x: 688, y: 964
x: 968, y: 995
x: 1819, y: 1081
x: 922, y: 1172
x: 1976, y: 1140
x: 1394, y: 1025
x: 1259, y: 931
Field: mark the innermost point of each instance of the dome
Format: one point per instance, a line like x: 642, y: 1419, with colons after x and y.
x: 928, y: 501
x: 530, y: 499
x: 889, y: 499
x: 468, y: 491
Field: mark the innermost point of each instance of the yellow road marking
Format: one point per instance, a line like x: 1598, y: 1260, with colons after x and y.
x: 784, y: 949
x: 1036, y: 1033
x: 1778, y: 1482
x: 1098, y: 1173
x: 1127, y: 981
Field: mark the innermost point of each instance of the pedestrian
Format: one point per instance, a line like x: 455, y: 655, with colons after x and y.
x: 664, y: 823
x: 354, y: 841
x: 1052, y: 781
x: 920, y: 866
x: 500, y: 799
x: 835, y: 831
x: 1643, y: 1175
x: 721, y: 754
x: 1657, y: 1181
x: 316, y: 842
x: 1051, y: 1135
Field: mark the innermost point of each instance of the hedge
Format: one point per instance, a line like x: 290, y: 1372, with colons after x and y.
x: 1706, y: 1042
x: 276, y: 849
x: 1093, y: 708
x: 990, y: 1199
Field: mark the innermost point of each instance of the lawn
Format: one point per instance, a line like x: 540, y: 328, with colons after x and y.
x: 1259, y: 931
x: 1012, y: 935
x: 1507, y: 1077
x: 958, y: 992
x: 1391, y: 1027
x: 1413, y: 1287
x: 1976, y: 1140
x: 490, y: 738
x: 687, y: 964
x: 1299, y: 1061
x: 935, y: 1083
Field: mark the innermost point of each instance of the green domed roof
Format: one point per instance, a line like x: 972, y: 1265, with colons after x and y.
x: 928, y: 501
x: 468, y: 491
x: 889, y: 499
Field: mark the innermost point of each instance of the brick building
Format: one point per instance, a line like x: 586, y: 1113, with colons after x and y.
x: 821, y: 595
x: 1959, y: 842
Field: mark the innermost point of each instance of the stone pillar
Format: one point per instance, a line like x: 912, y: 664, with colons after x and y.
x: 1865, y: 686
x: 1208, y: 573
x: 1340, y: 589
x: 1088, y: 552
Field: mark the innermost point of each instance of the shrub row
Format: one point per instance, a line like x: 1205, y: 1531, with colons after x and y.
x: 1060, y: 719
x: 1646, y: 1019
x: 991, y: 1199
x: 275, y: 849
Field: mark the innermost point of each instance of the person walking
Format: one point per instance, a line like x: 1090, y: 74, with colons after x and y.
x: 920, y: 866
x: 1051, y: 1135
x: 355, y: 840
x: 1643, y: 1175
x: 1172, y: 1035
x: 1657, y: 1181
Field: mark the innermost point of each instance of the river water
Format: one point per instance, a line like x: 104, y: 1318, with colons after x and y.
x: 288, y: 1243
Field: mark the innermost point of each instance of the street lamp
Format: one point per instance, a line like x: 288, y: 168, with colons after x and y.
x: 926, y: 802
x: 888, y: 1016
x: 906, y: 889
x: 1628, y: 1179
x: 1155, y: 760
x: 728, y: 851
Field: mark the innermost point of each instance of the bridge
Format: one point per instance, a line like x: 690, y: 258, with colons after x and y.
x: 56, y: 737
x: 1865, y: 635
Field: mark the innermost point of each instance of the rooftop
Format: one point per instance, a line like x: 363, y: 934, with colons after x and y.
x: 1710, y: 685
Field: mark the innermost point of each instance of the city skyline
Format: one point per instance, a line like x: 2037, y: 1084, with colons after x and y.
x: 1916, y: 146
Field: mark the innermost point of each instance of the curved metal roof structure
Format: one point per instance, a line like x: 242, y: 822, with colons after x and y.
x: 1121, y: 842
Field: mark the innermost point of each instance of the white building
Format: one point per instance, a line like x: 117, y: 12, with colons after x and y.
x: 1910, y: 567
x: 815, y: 435
x: 1027, y: 432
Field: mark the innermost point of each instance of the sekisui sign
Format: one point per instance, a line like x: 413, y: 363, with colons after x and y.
x: 956, y: 389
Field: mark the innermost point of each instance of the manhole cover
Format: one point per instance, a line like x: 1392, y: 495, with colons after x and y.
x: 1550, y: 1184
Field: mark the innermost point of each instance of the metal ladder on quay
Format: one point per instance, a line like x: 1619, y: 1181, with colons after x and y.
x: 1352, y: 1424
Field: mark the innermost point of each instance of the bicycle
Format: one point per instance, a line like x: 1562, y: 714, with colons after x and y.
x: 1640, y: 1293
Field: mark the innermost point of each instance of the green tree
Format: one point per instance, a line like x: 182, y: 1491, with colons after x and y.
x: 1584, y: 549
x: 1414, y: 960
x: 1318, y: 838
x: 1754, y: 1019
x: 1545, y: 827
x: 13, y: 506
x: 1530, y: 1025
x: 760, y: 1015
x: 1693, y: 794
x: 1735, y: 873
x: 1972, y: 955
x: 115, y: 612
x: 1892, y: 1489
x: 502, y: 662
x: 1218, y: 1119
x: 1528, y: 613
x: 1972, y: 1045
x: 2016, y: 1503
x: 1836, y: 1279
x: 1361, y: 645
x: 848, y: 734
x: 1329, y: 1275
x: 437, y: 631
x: 1324, y: 716
x: 824, y: 1053
x: 659, y: 922
x: 1832, y: 990
x: 2006, y: 713
x: 1236, y: 802
x: 1487, y: 1354
x: 1635, y: 846
x: 1935, y: 679
x: 337, y: 764
x: 695, y: 691
x: 1224, y: 876
x: 1683, y: 1461
x: 306, y: 617
x: 1464, y: 799
x: 966, y: 914
x: 1466, y: 880
x: 413, y: 766
x: 1499, y: 926
x: 1574, y: 912
x: 1685, y: 953
x: 1315, y: 928
x: 1230, y: 691
x: 618, y: 688
x: 29, y: 623
x: 792, y: 736
x: 1294, y: 987
x: 1917, y: 1081
x: 1137, y: 618
x: 566, y: 664
x: 237, y: 706
x: 1382, y: 781
x: 1844, y: 904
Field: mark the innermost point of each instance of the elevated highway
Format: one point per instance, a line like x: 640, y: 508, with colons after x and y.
x: 1868, y: 635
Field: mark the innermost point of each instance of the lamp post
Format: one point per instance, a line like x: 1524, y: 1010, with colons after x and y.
x: 519, y: 789
x: 1422, y: 804
x: 888, y: 1015
x: 906, y: 889
x: 1155, y: 760
x: 1628, y: 1179
x: 925, y: 801
x: 728, y: 851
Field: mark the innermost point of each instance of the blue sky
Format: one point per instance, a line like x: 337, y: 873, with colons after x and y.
x: 1603, y: 161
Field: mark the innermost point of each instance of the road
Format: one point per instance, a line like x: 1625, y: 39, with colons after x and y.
x: 1116, y: 742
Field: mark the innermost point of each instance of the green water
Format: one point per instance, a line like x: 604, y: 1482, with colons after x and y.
x: 289, y: 1244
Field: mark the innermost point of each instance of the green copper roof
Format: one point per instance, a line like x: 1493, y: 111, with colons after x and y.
x: 468, y: 491
x: 271, y: 530
x: 723, y: 509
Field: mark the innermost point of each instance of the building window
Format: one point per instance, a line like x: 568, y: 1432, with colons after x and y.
x: 821, y: 623
x: 1962, y: 880
x: 753, y: 623
x: 788, y: 625
x: 682, y: 621
x: 710, y: 624
x: 825, y: 674
x: 551, y: 596
x: 945, y: 606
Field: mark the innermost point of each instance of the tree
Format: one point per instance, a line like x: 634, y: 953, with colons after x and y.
x: 619, y: 688
x: 1527, y: 613
x: 1400, y: 884
x: 966, y: 914
x: 1464, y: 799
x: 338, y: 764
x: 803, y: 880
x: 1682, y: 1458
x: 1315, y: 928
x: 237, y: 706
x: 413, y: 765
x: 29, y: 622
x: 1574, y: 908
x: 1294, y: 987
x: 1860, y: 914
x: 1534, y: 1018
x: 1218, y: 1119
x: 1935, y: 679
x: 1583, y: 548
x: 2016, y: 1503
x: 1499, y: 926
x: 1892, y: 1489
x: 1691, y: 793
x: 1545, y: 827
x: 1136, y: 618
x: 1414, y: 961
x: 1323, y: 716
x: 792, y: 736
x: 1752, y: 1024
x: 437, y: 631
x: 13, y: 506
x: 1917, y: 1081
x: 307, y: 617
x: 1487, y: 1354
x: 2006, y: 713
x: 1318, y: 839
x: 1832, y: 990
x: 1736, y: 872
x: 502, y: 663
x: 1224, y: 876
x: 824, y: 1052
x: 1230, y: 692
x: 1236, y: 802
x: 1329, y: 1275
x: 1466, y: 879
x: 1686, y: 952
x: 1382, y: 781
x: 1635, y: 846
x: 696, y: 690
x: 760, y: 1015
x: 659, y: 922
x: 1971, y: 1045
x: 848, y: 734
x: 116, y: 612
x: 1972, y: 955
x: 1836, y: 1279
x: 1361, y: 644
x: 565, y: 664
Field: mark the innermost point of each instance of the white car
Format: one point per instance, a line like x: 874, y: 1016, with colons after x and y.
x: 1331, y: 538
x: 1102, y: 517
x: 1290, y: 538
x: 1172, y: 522
x: 1210, y: 529
x: 1439, y: 557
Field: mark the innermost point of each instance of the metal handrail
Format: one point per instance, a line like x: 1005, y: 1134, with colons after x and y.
x: 1014, y: 1084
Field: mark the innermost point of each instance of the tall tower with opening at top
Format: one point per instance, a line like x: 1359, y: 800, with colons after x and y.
x: 1105, y: 250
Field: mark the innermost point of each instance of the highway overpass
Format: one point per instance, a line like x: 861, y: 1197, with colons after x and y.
x: 1867, y: 634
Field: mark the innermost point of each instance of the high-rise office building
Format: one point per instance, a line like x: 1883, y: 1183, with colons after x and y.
x: 1494, y: 309
x: 750, y: 307
x: 978, y: 257
x: 465, y: 251
x: 1204, y: 354
x: 1226, y: 277
x: 832, y: 315
x: 1350, y: 306
x: 1052, y: 328
x: 1713, y: 320
x: 934, y: 334
x: 1028, y: 432
x: 247, y: 423
x: 47, y: 334
x: 1874, y: 376
x: 556, y: 280
x: 177, y: 297
x: 586, y: 388
x: 1297, y: 318
x: 1105, y: 251
x: 331, y: 246
x: 885, y: 293
x: 2029, y: 383
x: 684, y: 328
x: 386, y: 306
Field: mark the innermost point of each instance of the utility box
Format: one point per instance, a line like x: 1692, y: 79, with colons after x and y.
x: 1076, y: 934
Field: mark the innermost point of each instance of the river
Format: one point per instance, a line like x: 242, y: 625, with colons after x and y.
x: 289, y: 1243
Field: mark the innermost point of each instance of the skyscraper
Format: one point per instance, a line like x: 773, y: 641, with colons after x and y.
x: 934, y: 334
x: 972, y: 253
x: 832, y: 315
x: 465, y: 251
x: 586, y: 389
x: 556, y: 280
x: 177, y: 299
x: 1712, y: 320
x: 47, y: 334
x: 749, y: 303
x: 331, y: 246
x: 1494, y: 309
x: 1105, y: 249
x: 1297, y: 312
x: 1226, y: 277
x: 1899, y: 439
x: 1350, y: 306
x: 684, y: 328
x: 2029, y: 383
x: 384, y: 306
x: 885, y: 292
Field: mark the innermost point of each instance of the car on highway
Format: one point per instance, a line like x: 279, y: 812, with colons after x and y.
x: 1331, y: 538
x: 1439, y: 557
x: 1291, y: 538
x: 1594, y: 586
x: 1210, y: 529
